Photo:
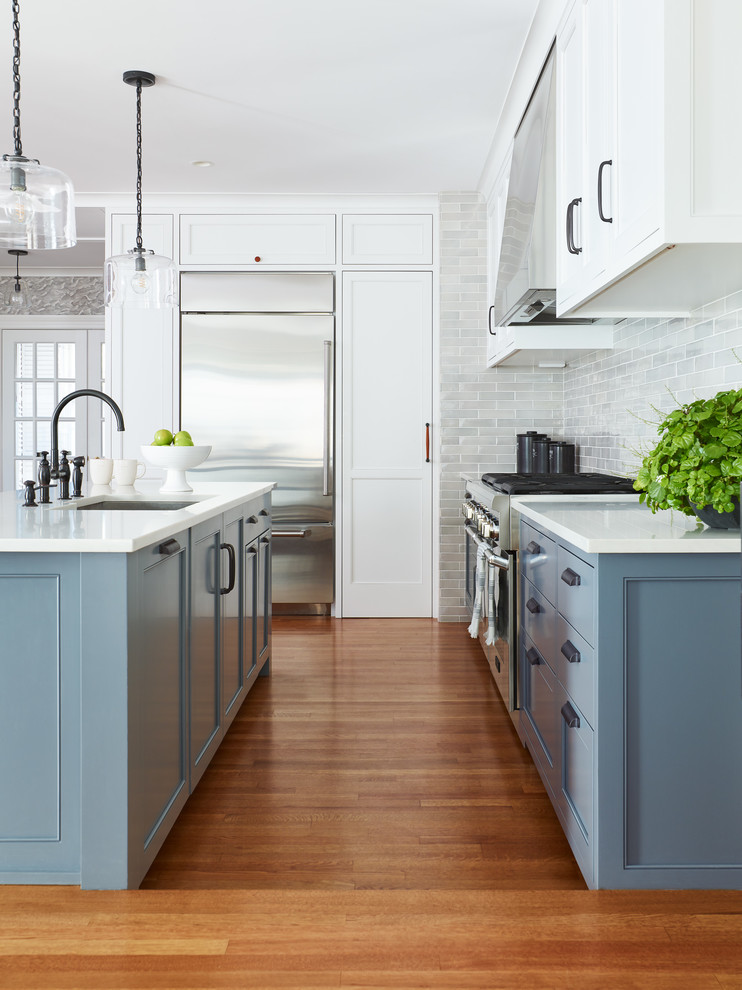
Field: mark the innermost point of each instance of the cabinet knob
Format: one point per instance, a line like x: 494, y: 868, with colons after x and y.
x: 169, y: 547
x: 570, y: 651
x: 533, y: 606
x: 257, y: 257
x: 533, y: 547
x: 570, y: 577
x: 532, y: 655
x: 570, y: 716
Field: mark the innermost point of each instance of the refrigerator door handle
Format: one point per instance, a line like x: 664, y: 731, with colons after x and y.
x: 297, y: 534
x: 327, y: 438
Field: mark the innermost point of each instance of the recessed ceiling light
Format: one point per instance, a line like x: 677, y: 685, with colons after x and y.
x: 202, y: 164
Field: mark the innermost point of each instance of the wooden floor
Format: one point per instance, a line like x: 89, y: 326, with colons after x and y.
x: 370, y: 821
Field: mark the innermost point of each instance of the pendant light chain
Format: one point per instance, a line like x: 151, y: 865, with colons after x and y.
x: 17, y: 78
x: 139, y: 165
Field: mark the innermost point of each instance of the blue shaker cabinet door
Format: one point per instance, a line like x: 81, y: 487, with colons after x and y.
x: 233, y: 666
x: 205, y: 615
x: 39, y: 718
x: 158, y: 718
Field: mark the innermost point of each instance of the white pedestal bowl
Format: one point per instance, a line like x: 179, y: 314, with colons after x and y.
x: 176, y: 461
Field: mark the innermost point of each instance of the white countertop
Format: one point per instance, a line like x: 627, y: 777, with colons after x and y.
x: 621, y: 524
x: 61, y: 528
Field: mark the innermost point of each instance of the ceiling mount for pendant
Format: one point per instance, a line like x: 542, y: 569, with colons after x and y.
x: 17, y: 297
x: 140, y: 279
x: 36, y: 202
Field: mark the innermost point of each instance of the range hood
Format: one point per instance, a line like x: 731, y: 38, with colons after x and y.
x: 525, y: 292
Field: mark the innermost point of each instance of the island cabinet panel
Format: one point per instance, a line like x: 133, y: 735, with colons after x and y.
x: 699, y: 732
x: 204, y: 643
x: 39, y: 720
x: 645, y: 684
x: 158, y: 714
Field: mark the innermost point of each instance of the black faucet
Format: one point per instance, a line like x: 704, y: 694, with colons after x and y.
x: 54, y: 452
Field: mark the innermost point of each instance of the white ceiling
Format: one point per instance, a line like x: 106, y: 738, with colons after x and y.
x: 284, y: 96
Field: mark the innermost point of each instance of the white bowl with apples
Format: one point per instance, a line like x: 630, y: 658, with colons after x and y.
x: 176, y: 453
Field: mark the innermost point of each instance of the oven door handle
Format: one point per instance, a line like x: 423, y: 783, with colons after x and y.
x: 494, y: 559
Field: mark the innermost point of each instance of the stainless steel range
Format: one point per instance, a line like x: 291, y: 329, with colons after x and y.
x: 492, y: 560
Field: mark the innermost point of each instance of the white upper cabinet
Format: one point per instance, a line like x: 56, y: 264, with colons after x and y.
x: 649, y: 204
x: 380, y: 239
x: 252, y: 240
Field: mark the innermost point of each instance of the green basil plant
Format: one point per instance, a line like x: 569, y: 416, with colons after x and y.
x: 698, y: 458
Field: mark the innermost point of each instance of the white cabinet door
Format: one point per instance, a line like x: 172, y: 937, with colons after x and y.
x: 600, y: 118
x: 379, y: 239
x: 142, y: 348
x: 570, y: 109
x: 639, y: 139
x: 251, y: 240
x: 498, y: 338
x: 386, y: 481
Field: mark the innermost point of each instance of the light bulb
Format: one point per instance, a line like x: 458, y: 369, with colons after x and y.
x: 19, y: 208
x: 140, y: 283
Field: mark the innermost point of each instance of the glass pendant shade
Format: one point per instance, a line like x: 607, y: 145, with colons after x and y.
x: 140, y: 279
x: 17, y: 297
x: 36, y: 206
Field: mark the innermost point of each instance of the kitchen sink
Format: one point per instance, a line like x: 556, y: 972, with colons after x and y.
x: 143, y: 505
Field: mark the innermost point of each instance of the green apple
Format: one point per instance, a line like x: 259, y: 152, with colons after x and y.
x: 183, y: 439
x: 163, y: 438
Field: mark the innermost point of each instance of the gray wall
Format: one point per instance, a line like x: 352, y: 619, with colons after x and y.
x: 609, y: 397
x: 69, y: 295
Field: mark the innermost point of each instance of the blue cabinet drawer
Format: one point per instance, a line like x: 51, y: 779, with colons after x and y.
x: 541, y: 709
x: 574, y: 661
x: 538, y: 561
x: 576, y: 593
x: 538, y: 619
x: 577, y: 779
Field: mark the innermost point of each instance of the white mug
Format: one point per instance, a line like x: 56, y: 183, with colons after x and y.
x: 127, y: 470
x: 100, y: 470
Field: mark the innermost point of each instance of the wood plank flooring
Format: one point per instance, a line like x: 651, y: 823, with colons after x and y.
x: 370, y: 821
x: 377, y: 755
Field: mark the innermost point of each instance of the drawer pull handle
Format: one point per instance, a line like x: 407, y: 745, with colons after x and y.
x: 570, y: 651
x: 533, y: 606
x: 169, y: 547
x: 570, y: 577
x: 252, y: 520
x: 570, y: 716
x: 533, y: 657
x: 533, y: 547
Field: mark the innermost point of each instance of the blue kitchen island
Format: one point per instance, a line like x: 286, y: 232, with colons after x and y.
x: 133, y: 626
x: 631, y: 683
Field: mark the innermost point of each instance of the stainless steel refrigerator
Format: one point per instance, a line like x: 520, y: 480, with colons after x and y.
x: 257, y: 377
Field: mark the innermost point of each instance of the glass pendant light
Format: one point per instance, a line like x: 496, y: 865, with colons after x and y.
x: 18, y: 296
x: 36, y: 202
x: 140, y: 279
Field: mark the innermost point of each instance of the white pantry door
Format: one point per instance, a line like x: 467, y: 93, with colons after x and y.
x: 386, y: 480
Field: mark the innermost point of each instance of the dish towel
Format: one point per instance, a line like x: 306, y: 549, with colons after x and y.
x: 479, y: 595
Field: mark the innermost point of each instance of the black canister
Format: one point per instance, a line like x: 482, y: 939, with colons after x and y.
x: 561, y: 457
x: 541, y: 455
x: 524, y: 455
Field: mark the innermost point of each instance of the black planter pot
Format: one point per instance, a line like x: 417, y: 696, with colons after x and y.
x: 717, y: 520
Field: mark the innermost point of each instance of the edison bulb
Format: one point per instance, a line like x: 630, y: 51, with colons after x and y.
x: 140, y: 283
x: 19, y: 207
